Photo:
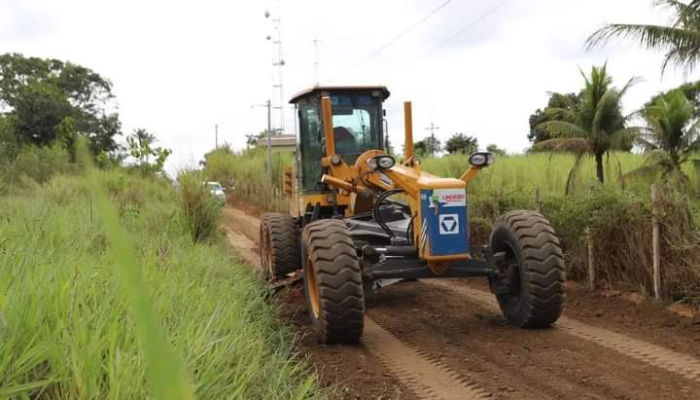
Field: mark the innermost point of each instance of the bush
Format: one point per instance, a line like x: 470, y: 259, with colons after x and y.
x: 200, y: 209
x: 37, y: 164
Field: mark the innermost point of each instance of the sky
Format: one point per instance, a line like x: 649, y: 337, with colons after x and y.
x: 181, y: 67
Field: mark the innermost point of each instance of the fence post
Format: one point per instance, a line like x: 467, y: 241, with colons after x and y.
x: 591, y: 260
x: 656, y: 242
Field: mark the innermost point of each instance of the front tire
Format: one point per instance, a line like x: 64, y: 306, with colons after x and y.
x: 333, y: 282
x: 530, y: 288
x: 279, y: 246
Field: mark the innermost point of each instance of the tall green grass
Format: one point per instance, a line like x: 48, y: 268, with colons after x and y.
x: 618, y: 214
x: 247, y: 171
x: 545, y: 172
x: 65, y: 328
x: 200, y: 209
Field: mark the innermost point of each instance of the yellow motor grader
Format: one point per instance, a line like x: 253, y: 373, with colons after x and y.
x: 361, y: 219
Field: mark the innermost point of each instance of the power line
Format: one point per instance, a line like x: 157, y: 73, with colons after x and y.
x: 407, y: 30
x: 396, y: 38
x: 470, y: 25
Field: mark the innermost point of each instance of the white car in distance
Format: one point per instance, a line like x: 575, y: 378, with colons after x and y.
x: 217, y: 191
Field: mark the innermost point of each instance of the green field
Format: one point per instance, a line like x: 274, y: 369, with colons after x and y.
x: 618, y: 214
x: 545, y: 172
x: 65, y: 324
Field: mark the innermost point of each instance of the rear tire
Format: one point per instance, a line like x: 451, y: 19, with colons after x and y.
x: 530, y: 290
x: 279, y: 246
x: 333, y: 282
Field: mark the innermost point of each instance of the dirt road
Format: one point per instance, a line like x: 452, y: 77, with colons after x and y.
x: 446, y: 339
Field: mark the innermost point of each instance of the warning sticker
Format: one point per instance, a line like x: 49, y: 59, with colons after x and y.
x: 385, y: 180
x: 452, y: 197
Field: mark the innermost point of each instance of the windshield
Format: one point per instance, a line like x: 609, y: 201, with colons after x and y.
x: 356, y: 125
x: 214, y: 186
x: 357, y: 122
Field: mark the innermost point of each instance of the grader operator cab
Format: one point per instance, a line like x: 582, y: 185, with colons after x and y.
x: 360, y: 219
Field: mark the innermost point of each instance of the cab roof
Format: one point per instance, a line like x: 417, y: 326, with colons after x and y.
x: 338, y: 89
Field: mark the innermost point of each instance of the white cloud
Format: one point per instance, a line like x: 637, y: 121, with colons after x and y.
x: 179, y: 68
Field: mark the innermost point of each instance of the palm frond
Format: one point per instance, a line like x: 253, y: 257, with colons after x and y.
x: 687, y: 13
x: 623, y: 138
x: 560, y: 113
x: 646, y: 145
x: 564, y: 145
x: 659, y: 158
x: 643, y: 172
x: 573, y: 174
x: 602, y: 108
x: 563, y: 129
x: 630, y: 83
x: 679, y: 43
x: 683, y: 56
x: 690, y: 142
x: 696, y: 164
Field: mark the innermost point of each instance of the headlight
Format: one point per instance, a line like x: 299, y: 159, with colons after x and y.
x: 386, y: 162
x: 481, y: 159
x: 381, y: 162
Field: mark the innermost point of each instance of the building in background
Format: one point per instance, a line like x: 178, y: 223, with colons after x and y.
x: 280, y: 143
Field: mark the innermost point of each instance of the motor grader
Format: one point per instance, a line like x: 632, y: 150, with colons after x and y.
x: 360, y: 219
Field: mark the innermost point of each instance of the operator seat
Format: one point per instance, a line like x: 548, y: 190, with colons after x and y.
x: 345, y: 142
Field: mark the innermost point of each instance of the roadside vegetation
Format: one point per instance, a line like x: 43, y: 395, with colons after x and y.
x: 116, y: 282
x: 63, y: 316
x: 247, y: 172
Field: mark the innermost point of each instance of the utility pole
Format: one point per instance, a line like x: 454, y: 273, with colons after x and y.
x: 431, y: 145
x: 279, y: 62
x: 216, y: 136
x: 432, y: 128
x: 317, y: 62
x: 269, y: 140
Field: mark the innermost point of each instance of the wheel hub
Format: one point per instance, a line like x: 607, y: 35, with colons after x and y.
x: 312, y: 287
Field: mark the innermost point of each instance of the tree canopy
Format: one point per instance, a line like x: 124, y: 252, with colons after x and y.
x: 39, y: 94
x: 596, y: 127
x: 148, y: 157
x: 568, y: 101
x: 461, y: 143
x: 672, y: 135
x: 427, y: 147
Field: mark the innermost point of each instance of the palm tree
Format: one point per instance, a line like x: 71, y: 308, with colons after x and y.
x: 594, y: 128
x: 672, y: 136
x: 140, y: 144
x: 680, y: 41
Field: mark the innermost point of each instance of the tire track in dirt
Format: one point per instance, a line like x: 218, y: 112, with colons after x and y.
x: 426, y: 377
x: 657, y: 356
x: 512, y: 363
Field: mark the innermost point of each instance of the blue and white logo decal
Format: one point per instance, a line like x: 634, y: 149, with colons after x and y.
x: 449, y: 224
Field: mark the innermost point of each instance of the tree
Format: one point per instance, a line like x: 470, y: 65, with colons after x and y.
x: 680, y: 41
x: 672, y: 135
x: 569, y: 101
x: 427, y: 147
x: 38, y: 110
x: 141, y: 148
x: 596, y: 128
x: 41, y: 93
x: 691, y: 90
x: 460, y: 143
x: 9, y: 143
x: 495, y: 150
